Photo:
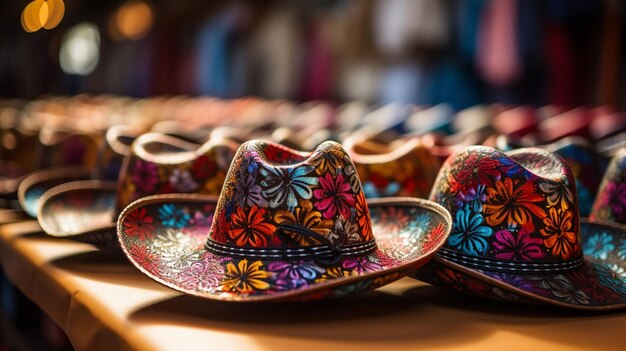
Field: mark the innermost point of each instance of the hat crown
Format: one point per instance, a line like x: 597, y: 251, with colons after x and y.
x: 610, y: 201
x: 161, y: 164
x: 518, y: 209
x: 270, y: 186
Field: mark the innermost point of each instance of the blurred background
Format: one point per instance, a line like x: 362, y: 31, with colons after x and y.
x: 538, y: 52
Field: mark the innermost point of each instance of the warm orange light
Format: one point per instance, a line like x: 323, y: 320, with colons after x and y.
x: 56, y: 10
x: 132, y: 21
x: 42, y: 14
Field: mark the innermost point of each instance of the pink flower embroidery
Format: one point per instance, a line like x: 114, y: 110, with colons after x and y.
x: 510, y: 246
x: 334, y: 196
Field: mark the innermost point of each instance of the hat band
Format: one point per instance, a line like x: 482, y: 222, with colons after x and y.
x: 486, y: 264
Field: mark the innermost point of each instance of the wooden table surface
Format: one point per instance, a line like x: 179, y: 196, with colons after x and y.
x: 103, y: 303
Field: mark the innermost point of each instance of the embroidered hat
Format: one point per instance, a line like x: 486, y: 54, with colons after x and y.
x: 156, y: 163
x: 517, y: 235
x: 287, y: 225
x: 404, y: 167
x: 610, y: 201
x: 108, y: 157
x: 587, y: 167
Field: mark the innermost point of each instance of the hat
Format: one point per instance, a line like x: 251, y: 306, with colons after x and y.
x: 610, y: 201
x: 517, y: 235
x: 156, y: 163
x: 404, y: 167
x: 287, y: 225
x: 587, y: 168
x: 109, y: 157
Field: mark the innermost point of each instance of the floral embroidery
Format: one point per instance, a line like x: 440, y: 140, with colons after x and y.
x: 363, y: 216
x: 139, y: 223
x: 203, y: 167
x: 469, y: 234
x: 294, y: 274
x: 558, y: 194
x: 518, y: 246
x: 474, y: 172
x: 249, y: 192
x: 599, y: 246
x: 308, y: 218
x: 172, y: 216
x: 250, y: 228
x: 145, y: 175
x: 182, y: 181
x: 245, y: 278
x: 148, y: 260
x: 334, y: 196
x: 513, y: 205
x: 559, y: 233
x: 287, y: 185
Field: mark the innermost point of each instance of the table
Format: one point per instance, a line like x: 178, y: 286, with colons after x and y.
x: 103, y: 303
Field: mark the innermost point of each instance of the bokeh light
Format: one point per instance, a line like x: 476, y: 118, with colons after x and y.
x: 42, y: 14
x: 80, y: 49
x: 131, y: 21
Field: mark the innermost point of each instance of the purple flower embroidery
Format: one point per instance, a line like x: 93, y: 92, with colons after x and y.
x: 293, y: 275
x: 520, y: 246
x: 617, y: 200
x: 361, y: 265
x: 145, y: 176
x: 249, y: 192
x: 182, y: 181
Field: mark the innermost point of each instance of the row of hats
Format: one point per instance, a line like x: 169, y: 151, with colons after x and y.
x: 291, y: 224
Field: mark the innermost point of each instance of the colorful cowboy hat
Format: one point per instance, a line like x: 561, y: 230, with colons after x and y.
x: 610, y: 201
x: 287, y: 225
x: 517, y: 235
x: 587, y: 167
x: 404, y: 167
x: 85, y: 210
x: 109, y: 158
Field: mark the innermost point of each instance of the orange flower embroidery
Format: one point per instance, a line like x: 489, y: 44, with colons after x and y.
x: 249, y: 228
x: 513, y: 205
x: 559, y: 233
x: 363, y: 215
x: 308, y: 218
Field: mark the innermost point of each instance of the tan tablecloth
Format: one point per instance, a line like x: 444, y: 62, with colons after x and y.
x: 103, y: 302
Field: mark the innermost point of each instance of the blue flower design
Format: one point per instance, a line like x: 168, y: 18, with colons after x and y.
x: 599, y: 246
x: 612, y: 276
x: 371, y: 191
x: 468, y: 233
x: 173, y: 217
x: 287, y: 184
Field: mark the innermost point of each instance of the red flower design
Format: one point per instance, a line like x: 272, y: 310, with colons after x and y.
x: 146, y: 259
x: 433, y: 239
x: 249, y: 228
x: 592, y: 287
x: 138, y: 223
x: 203, y: 167
x: 476, y: 170
x: 334, y: 196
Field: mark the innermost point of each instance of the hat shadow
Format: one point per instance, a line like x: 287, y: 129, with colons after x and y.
x: 529, y: 319
x: 110, y: 266
x: 365, y: 318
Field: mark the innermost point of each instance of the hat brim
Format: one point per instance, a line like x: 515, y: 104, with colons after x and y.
x: 35, y: 184
x: 164, y: 237
x: 599, y: 284
x: 82, y: 211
